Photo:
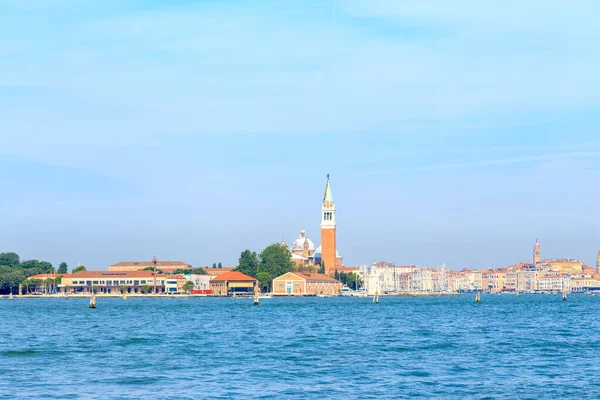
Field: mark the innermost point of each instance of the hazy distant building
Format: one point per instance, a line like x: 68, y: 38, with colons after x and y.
x: 598, y: 263
x: 537, y: 256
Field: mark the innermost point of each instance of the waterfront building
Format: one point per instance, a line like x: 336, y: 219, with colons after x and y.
x: 301, y: 284
x: 113, y: 281
x: 233, y: 282
x: 598, y: 263
x: 164, y: 266
x: 174, y: 284
x: 584, y: 284
x: 201, y: 282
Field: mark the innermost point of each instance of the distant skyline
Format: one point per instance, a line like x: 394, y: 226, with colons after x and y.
x: 454, y: 132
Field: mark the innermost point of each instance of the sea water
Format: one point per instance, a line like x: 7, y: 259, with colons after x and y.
x: 506, y: 347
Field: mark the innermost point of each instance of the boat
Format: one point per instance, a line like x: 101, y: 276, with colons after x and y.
x: 564, y: 296
x: 346, y: 291
x: 323, y: 295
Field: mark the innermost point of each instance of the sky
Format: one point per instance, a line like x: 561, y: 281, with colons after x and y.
x: 454, y: 132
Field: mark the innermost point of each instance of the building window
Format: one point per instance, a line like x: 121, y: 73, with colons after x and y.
x: 297, y: 286
x: 281, y: 286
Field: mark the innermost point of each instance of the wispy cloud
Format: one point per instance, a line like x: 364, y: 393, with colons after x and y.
x: 488, y: 163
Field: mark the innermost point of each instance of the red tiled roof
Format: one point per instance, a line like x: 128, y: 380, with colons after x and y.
x: 46, y: 276
x: 233, y: 276
x: 151, y: 264
x: 315, y: 277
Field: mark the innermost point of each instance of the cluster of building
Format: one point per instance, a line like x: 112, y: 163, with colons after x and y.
x: 553, y: 275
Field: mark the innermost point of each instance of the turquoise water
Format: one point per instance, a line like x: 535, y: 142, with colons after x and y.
x: 530, y: 346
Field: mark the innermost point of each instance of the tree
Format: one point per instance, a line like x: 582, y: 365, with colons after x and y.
x: 46, y: 267
x: 353, y: 281
x: 9, y: 259
x: 79, y: 268
x: 58, y: 280
x: 123, y: 288
x: 275, y: 260
x: 264, y: 279
x: 158, y: 271
x: 322, y: 268
x: 146, y: 289
x: 47, y: 283
x: 63, y: 268
x: 188, y: 286
x: 248, y: 263
x: 214, y: 265
x: 95, y: 288
x: 220, y: 265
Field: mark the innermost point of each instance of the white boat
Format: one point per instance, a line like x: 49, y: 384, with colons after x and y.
x: 323, y: 295
x: 346, y: 291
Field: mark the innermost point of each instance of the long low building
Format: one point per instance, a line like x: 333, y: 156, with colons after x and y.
x: 301, y: 284
x: 165, y: 266
x: 121, y: 281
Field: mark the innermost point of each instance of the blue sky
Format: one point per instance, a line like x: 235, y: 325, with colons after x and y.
x: 454, y: 132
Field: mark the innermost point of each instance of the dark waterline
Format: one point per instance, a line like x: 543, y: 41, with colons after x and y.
x: 530, y: 346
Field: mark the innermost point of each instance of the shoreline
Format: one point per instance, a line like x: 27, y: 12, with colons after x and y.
x: 171, y: 296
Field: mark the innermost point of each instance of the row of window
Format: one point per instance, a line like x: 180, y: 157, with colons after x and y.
x: 109, y: 283
x: 328, y: 216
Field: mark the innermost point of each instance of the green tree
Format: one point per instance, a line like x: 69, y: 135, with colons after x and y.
x: 214, y: 265
x: 322, y: 268
x: 146, y: 289
x: 188, y: 286
x: 353, y: 281
x: 63, y: 268
x: 79, y: 268
x: 47, y: 267
x: 275, y: 260
x: 9, y: 259
x: 58, y: 280
x: 220, y: 265
x: 95, y: 288
x: 248, y: 263
x: 123, y: 288
x: 158, y: 271
x: 264, y: 279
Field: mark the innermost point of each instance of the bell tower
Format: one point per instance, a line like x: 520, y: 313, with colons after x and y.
x: 537, y: 257
x: 328, y: 227
x: 598, y: 263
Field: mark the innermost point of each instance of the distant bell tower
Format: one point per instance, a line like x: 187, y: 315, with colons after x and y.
x: 598, y: 263
x: 328, y: 227
x: 537, y: 257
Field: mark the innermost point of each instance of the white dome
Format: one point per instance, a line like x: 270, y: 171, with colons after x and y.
x: 298, y: 244
x: 337, y: 255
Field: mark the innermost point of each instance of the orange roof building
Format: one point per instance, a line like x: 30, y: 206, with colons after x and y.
x: 300, y: 284
x: 233, y: 282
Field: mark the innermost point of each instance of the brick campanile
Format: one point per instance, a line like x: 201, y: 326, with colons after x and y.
x: 537, y: 257
x: 598, y: 263
x: 328, y: 237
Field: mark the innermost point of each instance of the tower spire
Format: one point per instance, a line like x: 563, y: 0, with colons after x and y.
x: 328, y: 197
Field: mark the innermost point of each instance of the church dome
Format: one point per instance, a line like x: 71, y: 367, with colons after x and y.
x: 298, y: 244
x: 337, y: 255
